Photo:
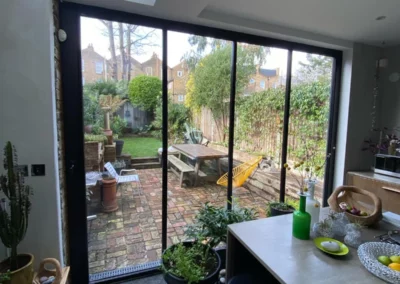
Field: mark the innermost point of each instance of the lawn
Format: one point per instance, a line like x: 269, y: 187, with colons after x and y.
x: 141, y: 146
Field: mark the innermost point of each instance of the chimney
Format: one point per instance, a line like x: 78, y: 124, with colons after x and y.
x: 90, y: 47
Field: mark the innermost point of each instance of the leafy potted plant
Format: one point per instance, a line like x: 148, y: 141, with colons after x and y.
x: 190, y: 262
x: 109, y: 185
x: 279, y: 208
x: 14, y: 211
x: 117, y: 126
x: 211, y: 225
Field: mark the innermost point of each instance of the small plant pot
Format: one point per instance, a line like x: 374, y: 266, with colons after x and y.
x: 212, y: 278
x: 221, y: 251
x: 23, y: 275
x: 279, y: 212
x: 109, y: 195
x: 119, y: 144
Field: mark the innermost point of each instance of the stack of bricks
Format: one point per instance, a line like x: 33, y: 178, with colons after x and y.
x: 94, y: 156
x: 110, y: 153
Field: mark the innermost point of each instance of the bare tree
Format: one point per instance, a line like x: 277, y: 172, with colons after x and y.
x: 122, y: 51
x: 110, y: 33
x: 131, y: 39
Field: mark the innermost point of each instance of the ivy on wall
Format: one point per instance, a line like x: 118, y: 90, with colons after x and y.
x: 260, y: 116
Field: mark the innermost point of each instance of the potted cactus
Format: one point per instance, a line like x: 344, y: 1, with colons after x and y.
x: 14, y: 211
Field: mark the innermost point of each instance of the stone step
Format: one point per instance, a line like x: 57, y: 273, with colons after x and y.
x: 144, y: 160
x: 150, y: 165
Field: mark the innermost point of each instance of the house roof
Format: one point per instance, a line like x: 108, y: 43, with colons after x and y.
x: 268, y: 72
x: 90, y: 48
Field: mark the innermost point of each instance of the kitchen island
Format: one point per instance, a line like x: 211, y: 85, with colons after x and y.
x: 266, y: 249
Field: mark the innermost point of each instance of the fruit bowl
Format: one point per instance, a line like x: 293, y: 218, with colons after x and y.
x: 351, y: 195
x: 369, y: 253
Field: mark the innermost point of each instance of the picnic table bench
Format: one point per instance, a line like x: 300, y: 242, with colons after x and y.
x: 181, y: 166
x: 199, y: 153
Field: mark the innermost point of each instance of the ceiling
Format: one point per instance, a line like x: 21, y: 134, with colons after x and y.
x: 329, y: 23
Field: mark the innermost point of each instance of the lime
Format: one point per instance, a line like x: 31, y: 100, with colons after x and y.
x: 395, y: 258
x: 385, y: 260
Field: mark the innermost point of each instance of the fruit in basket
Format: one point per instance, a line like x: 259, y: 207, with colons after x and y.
x: 395, y: 266
x: 385, y: 260
x: 395, y: 259
x: 352, y: 209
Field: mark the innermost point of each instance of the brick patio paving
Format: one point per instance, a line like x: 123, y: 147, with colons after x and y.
x: 132, y: 234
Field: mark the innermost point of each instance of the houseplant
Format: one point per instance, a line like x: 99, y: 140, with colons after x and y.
x: 278, y: 209
x: 190, y: 262
x: 211, y: 225
x: 14, y: 211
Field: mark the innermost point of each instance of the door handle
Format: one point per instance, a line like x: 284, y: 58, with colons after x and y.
x: 71, y: 166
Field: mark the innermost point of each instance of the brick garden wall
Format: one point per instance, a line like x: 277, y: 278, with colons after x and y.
x: 60, y: 132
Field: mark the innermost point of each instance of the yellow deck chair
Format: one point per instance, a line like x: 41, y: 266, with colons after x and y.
x: 240, y: 173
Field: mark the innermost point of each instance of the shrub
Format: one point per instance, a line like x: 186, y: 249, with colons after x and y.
x: 192, y: 263
x: 145, y: 91
x: 211, y: 223
x: 178, y: 114
x: 102, y: 88
x: 117, y: 125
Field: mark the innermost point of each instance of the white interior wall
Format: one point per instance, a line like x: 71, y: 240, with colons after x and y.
x: 341, y: 139
x: 28, y: 114
x: 360, y: 107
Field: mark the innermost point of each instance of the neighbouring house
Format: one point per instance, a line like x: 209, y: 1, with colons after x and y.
x: 94, y: 66
x: 136, y: 68
x: 263, y: 79
x: 177, y: 84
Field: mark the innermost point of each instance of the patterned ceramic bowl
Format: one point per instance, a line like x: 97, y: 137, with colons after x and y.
x: 369, y: 253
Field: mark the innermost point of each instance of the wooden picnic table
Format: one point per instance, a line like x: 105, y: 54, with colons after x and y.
x: 200, y: 153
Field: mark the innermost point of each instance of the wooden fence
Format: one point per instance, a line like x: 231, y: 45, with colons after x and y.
x: 266, y: 142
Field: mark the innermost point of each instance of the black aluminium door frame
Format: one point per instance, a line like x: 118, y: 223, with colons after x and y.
x: 70, y: 14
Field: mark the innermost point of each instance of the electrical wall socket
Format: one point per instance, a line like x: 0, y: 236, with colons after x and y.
x: 38, y: 170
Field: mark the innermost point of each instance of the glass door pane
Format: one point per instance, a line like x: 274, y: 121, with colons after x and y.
x: 198, y: 122
x: 121, y: 81
x: 309, y: 121
x: 260, y: 100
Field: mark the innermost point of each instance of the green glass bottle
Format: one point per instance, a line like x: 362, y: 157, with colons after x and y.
x: 301, y: 221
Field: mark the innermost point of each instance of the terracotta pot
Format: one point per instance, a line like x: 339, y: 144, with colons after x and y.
x: 23, y: 275
x: 88, y: 129
x: 109, y: 195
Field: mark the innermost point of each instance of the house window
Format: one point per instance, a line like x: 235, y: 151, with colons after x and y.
x: 99, y: 67
x: 83, y: 65
x: 180, y: 73
x: 181, y: 98
x: 170, y: 85
x: 149, y: 71
x: 262, y: 84
x: 252, y: 81
x: 83, y: 80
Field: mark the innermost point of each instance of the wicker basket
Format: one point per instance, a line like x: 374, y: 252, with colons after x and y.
x: 60, y: 274
x: 352, y: 195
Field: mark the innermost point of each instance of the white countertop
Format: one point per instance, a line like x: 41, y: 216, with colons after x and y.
x: 295, y: 261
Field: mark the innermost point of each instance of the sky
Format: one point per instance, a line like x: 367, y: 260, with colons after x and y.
x: 92, y: 32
